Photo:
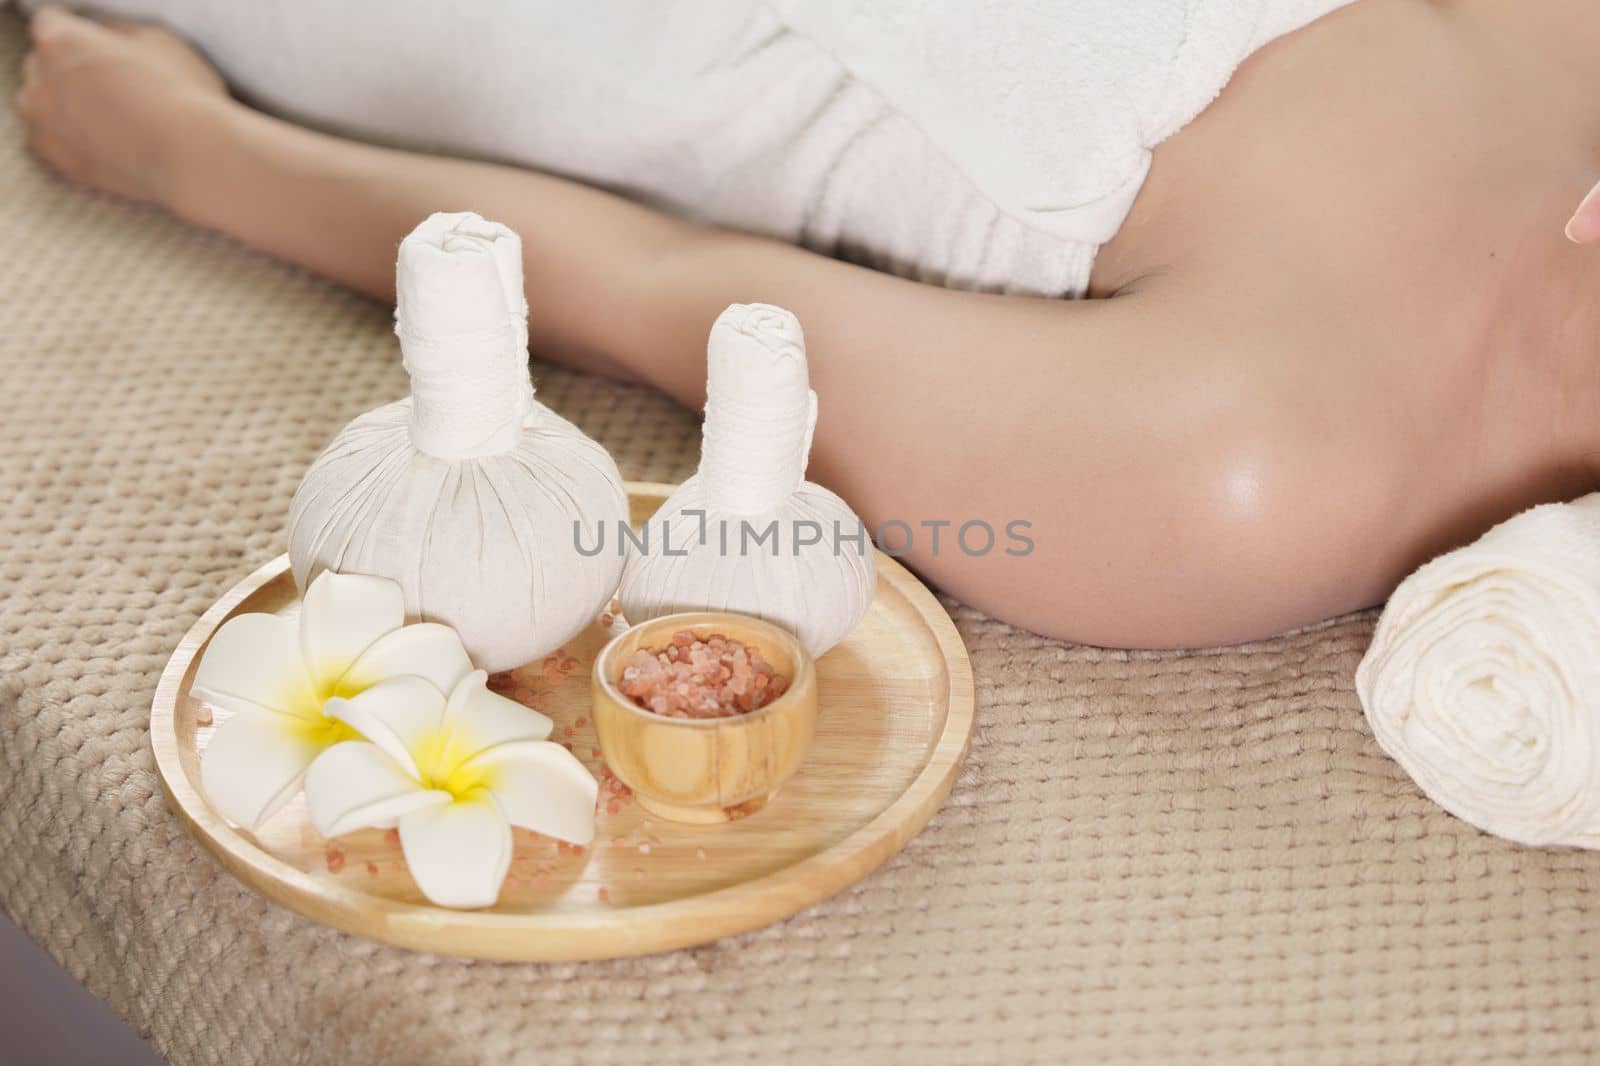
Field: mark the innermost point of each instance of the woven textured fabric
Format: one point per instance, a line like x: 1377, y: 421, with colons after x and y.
x: 1146, y: 857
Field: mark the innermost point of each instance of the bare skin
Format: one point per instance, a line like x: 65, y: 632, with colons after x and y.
x: 1341, y: 331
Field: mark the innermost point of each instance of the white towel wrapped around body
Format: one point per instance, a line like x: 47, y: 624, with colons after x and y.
x: 990, y: 145
x: 1483, y: 679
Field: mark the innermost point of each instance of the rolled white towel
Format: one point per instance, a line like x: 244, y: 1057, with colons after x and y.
x: 1483, y: 679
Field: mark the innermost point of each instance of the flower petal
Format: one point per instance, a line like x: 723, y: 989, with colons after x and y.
x: 426, y: 649
x: 234, y: 705
x: 400, y: 715
x: 356, y: 785
x: 254, y: 763
x: 543, y: 787
x: 256, y: 657
x: 477, y: 719
x: 458, y: 854
x: 343, y: 615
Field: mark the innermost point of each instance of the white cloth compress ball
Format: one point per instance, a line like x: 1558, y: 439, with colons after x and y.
x: 748, y: 533
x: 470, y: 493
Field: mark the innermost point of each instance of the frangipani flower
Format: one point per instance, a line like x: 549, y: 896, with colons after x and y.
x: 454, y: 775
x: 277, y: 677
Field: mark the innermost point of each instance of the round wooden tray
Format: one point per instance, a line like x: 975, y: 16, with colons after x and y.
x: 896, y: 715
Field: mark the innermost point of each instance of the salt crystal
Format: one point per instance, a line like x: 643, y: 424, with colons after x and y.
x: 714, y: 677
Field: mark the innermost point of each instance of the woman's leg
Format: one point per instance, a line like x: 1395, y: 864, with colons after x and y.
x: 1120, y: 475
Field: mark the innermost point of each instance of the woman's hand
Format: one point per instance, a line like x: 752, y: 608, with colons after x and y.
x: 1585, y: 225
x: 105, y: 104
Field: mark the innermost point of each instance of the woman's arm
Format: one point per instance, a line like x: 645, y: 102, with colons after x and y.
x: 133, y: 110
x: 340, y: 208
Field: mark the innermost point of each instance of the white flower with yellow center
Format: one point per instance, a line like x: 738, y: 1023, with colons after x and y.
x: 276, y: 678
x: 454, y: 774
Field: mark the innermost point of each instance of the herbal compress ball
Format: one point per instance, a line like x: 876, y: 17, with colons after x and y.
x: 748, y: 533
x: 468, y: 492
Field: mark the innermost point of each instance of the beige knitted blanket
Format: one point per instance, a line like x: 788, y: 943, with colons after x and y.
x: 1147, y: 857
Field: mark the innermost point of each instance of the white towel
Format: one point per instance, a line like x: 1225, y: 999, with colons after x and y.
x: 1483, y: 679
x: 1051, y: 107
x: 982, y: 145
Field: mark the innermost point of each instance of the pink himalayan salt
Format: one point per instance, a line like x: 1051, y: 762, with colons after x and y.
x: 612, y: 785
x: 717, y: 677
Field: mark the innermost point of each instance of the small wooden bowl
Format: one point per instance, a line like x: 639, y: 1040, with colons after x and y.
x: 705, y: 770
